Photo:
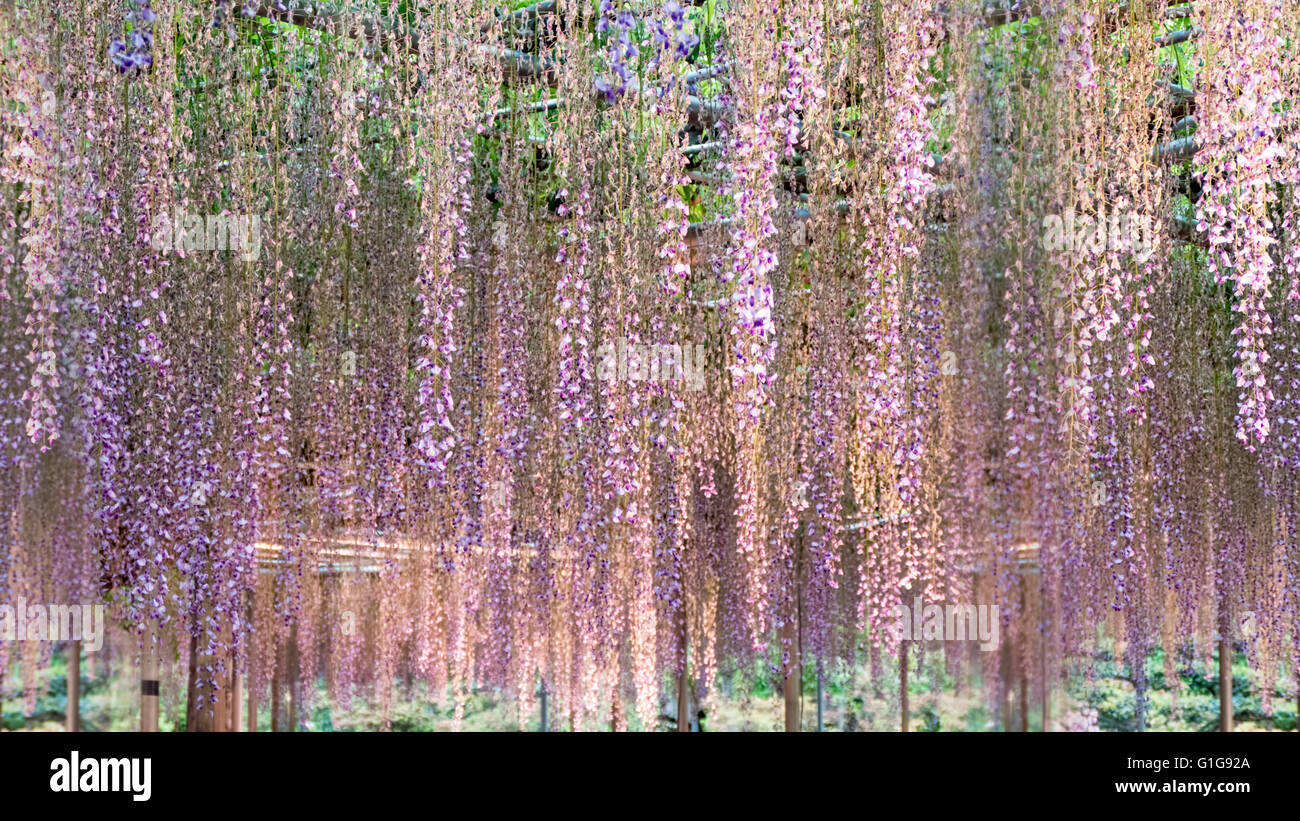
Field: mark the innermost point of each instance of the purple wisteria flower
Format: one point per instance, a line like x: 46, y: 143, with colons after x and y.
x: 668, y: 34
x: 138, y: 55
x: 618, y: 25
x: 674, y: 36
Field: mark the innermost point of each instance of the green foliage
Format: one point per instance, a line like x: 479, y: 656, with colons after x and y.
x: 52, y: 701
x: 977, y: 719
x: 1196, y: 707
x: 929, y: 719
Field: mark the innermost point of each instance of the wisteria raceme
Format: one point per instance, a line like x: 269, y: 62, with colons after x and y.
x: 35, y: 164
x: 606, y: 355
x: 1242, y: 155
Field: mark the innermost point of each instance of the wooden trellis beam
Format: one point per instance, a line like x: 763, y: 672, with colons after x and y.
x: 1185, y: 148
x: 1019, y: 11
x: 700, y: 113
x: 527, y: 14
x: 1176, y: 37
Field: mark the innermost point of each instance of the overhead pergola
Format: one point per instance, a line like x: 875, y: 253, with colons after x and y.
x: 532, y: 64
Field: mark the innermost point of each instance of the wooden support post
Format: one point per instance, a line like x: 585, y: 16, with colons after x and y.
x: 683, y: 676
x: 821, y: 701
x: 1140, y: 700
x: 1022, y: 658
x: 1225, y: 685
x: 684, y: 697
x: 1004, y: 682
x: 278, y: 669
x: 190, y: 695
x: 615, y: 716
x: 546, y: 723
x: 1046, y: 694
x: 275, y: 704
x: 252, y: 702
x: 149, y: 680
x: 1024, y: 701
x: 293, y: 679
x: 251, y: 654
x: 74, y: 686
x: 236, y: 701
x: 904, y: 709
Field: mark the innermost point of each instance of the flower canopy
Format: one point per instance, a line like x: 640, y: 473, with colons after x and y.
x: 592, y: 345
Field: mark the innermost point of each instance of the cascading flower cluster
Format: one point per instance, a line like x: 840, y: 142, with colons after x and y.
x: 617, y: 26
x: 670, y: 36
x: 1242, y: 154
x: 135, y: 53
x: 671, y: 32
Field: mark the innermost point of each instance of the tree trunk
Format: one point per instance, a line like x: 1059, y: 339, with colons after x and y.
x: 199, y: 716
x: 794, y: 698
x: 793, y: 642
x: 221, y: 694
